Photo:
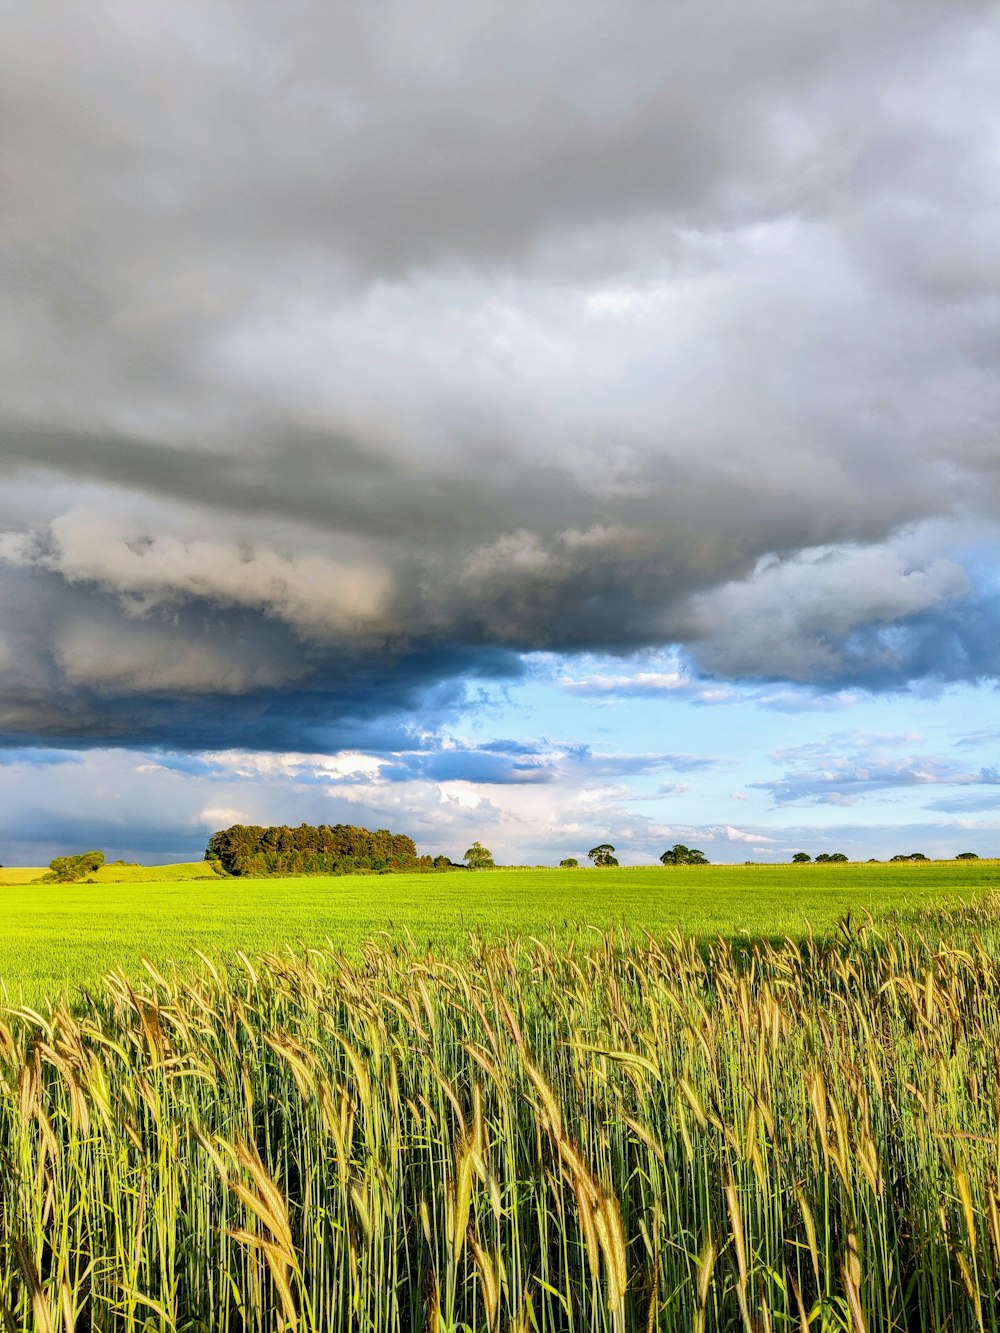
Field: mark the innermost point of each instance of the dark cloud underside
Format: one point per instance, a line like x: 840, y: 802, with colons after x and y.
x: 349, y: 352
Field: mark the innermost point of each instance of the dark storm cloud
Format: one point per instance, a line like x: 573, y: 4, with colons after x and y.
x: 204, y: 680
x: 347, y: 354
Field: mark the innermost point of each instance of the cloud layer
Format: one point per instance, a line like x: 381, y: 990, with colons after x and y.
x: 530, y: 804
x: 845, y: 769
x: 346, y: 358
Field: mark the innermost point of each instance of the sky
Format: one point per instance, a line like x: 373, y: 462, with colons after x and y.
x: 545, y: 425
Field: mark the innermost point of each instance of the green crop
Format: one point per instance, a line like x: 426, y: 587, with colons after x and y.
x: 55, y: 937
x: 588, y: 1132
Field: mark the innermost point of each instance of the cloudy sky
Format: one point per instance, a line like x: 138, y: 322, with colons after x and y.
x: 545, y: 424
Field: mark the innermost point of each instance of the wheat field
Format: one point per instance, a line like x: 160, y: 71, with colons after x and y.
x: 600, y: 1133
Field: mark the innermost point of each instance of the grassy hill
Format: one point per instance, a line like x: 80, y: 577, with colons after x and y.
x: 65, y: 935
x: 170, y: 874
x: 118, y: 874
x: 20, y: 874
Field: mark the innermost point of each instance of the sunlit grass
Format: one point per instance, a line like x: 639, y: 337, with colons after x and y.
x: 20, y: 874
x: 135, y: 874
x: 70, y: 934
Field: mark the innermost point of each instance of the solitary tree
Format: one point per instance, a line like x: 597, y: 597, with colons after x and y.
x: 568, y: 863
x: 967, y: 856
x: 603, y: 855
x: 800, y: 858
x: 479, y: 857
x: 679, y: 855
x: 67, y: 869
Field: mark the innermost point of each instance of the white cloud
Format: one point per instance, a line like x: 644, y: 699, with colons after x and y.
x: 726, y: 833
x: 213, y: 818
x: 642, y: 682
x: 293, y: 764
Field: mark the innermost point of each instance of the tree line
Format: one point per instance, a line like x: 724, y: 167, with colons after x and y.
x: 250, y: 850
x: 329, y: 849
x: 803, y: 858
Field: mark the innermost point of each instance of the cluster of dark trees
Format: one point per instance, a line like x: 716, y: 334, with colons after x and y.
x: 803, y: 858
x: 68, y: 869
x: 330, y: 849
x: 679, y: 855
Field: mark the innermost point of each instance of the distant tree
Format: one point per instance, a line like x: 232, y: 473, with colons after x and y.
x: 917, y: 856
x: 569, y: 863
x: 900, y: 856
x: 836, y: 856
x: 908, y: 856
x: 479, y: 857
x: 68, y: 869
x: 679, y: 855
x: 603, y: 855
x: 967, y: 856
x: 800, y: 858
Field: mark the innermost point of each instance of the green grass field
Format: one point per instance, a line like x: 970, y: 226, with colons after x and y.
x: 57, y: 937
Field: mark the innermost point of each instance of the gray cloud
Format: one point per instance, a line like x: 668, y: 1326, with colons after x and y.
x: 823, y: 776
x: 383, y: 143
x: 863, y: 614
x: 346, y: 355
